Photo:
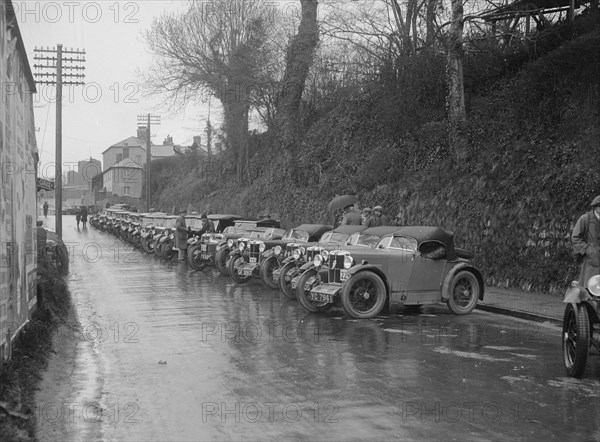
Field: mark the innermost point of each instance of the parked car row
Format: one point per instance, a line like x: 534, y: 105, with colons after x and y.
x: 363, y: 270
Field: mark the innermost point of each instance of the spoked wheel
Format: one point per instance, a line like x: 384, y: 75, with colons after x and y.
x: 307, y: 281
x: 266, y: 272
x: 147, y: 245
x: 363, y: 295
x: 167, y: 251
x: 576, y: 339
x: 194, y: 258
x: 235, y: 262
x: 464, y: 293
x: 221, y: 258
x: 156, y: 247
x: 288, y: 272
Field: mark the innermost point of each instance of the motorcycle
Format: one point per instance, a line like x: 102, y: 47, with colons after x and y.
x: 581, y: 325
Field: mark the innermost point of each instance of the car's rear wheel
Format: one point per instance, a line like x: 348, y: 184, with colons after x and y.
x: 288, y: 272
x: 221, y: 258
x: 235, y: 262
x: 576, y: 339
x: 194, y: 258
x: 307, y: 281
x: 266, y: 272
x: 363, y: 295
x: 464, y: 293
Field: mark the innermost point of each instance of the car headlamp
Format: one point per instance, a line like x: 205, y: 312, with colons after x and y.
x: 261, y: 246
x: 230, y: 243
x: 348, y: 261
x: 296, y: 254
x: 277, y: 250
x: 318, y: 260
x: 593, y: 285
x: 241, y: 246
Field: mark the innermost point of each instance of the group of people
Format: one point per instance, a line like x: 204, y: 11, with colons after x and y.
x: 368, y: 217
x: 81, y: 216
x: 181, y: 236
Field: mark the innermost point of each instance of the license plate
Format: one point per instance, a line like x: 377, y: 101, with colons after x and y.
x: 253, y: 260
x: 246, y: 272
x: 344, y: 275
x: 205, y: 256
x: 294, y: 285
x: 203, y: 247
x: 321, y: 297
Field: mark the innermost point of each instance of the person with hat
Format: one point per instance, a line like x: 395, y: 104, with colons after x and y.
x: 351, y: 217
x: 586, y: 242
x: 377, y: 219
x: 399, y: 219
x: 181, y: 235
x: 207, y: 225
x: 366, y: 216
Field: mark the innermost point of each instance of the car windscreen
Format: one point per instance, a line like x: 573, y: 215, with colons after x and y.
x: 361, y: 239
x: 334, y: 237
x: 297, y: 235
x: 404, y: 243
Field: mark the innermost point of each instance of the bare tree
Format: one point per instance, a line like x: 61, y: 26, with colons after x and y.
x: 218, y: 48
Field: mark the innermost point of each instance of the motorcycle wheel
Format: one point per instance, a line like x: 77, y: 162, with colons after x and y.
x: 576, y: 339
x: 194, y: 260
x: 221, y: 260
x: 266, y: 272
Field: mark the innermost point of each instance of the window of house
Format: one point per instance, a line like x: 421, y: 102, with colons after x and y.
x: 125, y: 152
x: 126, y: 190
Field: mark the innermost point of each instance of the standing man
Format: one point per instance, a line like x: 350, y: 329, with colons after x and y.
x: 399, y: 220
x: 351, y: 217
x: 377, y: 219
x: 181, y: 235
x: 366, y: 216
x: 77, y: 217
x: 84, y: 215
x: 45, y: 208
x: 586, y: 242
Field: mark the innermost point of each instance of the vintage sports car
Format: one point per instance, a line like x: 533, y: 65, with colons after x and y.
x: 415, y: 265
x: 149, y: 223
x: 365, y: 238
x: 247, y: 261
x: 294, y: 256
x: 201, y: 246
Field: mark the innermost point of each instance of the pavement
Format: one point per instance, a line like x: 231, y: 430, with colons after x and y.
x: 533, y: 306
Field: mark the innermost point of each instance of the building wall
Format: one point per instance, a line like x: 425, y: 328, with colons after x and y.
x: 18, y: 192
x: 124, y: 181
x: 109, y: 158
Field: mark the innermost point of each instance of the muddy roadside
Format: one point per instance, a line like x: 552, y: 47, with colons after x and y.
x: 20, y: 376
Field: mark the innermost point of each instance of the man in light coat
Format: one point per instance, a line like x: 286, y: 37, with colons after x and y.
x: 181, y: 235
x: 586, y: 242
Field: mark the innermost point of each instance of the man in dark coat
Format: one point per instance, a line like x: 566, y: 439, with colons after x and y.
x: 378, y: 219
x: 181, y: 235
x: 586, y: 242
x: 207, y: 225
x: 84, y: 215
x: 351, y: 217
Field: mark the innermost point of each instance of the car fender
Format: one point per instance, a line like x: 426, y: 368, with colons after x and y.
x: 286, y: 260
x: 306, y: 266
x: 370, y: 268
x: 453, y: 271
x: 575, y: 295
x: 270, y: 253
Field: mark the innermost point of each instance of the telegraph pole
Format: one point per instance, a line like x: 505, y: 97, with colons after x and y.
x: 52, y: 73
x: 148, y: 119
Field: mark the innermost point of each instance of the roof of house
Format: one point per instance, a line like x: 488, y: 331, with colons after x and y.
x: 156, y: 150
x: 127, y: 163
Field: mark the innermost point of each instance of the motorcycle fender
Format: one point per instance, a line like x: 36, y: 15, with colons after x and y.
x: 575, y: 295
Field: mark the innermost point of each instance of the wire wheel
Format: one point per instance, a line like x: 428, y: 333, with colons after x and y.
x: 576, y: 339
x: 363, y: 295
x: 464, y: 293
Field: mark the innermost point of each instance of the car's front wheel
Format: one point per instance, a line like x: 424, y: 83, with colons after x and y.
x: 288, y: 272
x: 363, y: 295
x: 464, y: 293
x: 235, y: 263
x: 266, y: 272
x: 307, y: 281
x: 194, y: 258
x: 221, y: 258
x: 576, y: 339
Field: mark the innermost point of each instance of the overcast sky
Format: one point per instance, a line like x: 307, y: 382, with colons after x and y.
x: 105, y: 110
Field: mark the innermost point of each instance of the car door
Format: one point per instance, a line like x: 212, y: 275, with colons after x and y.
x: 427, y: 272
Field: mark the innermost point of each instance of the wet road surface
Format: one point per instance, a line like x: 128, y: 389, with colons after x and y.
x: 166, y: 353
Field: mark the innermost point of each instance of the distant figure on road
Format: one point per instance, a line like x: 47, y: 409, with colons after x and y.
x: 351, y: 217
x: 586, y: 242
x: 45, y: 208
x: 181, y: 236
x: 78, y: 217
x: 84, y: 215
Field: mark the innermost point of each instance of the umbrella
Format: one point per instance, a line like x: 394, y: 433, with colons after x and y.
x: 340, y: 202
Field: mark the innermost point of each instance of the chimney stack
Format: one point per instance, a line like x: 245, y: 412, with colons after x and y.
x: 142, y: 134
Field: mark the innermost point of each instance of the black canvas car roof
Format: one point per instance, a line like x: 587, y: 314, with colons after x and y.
x: 430, y: 233
x: 349, y: 229
x: 314, y: 229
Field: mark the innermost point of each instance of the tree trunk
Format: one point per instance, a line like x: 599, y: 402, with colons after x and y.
x: 298, y: 61
x: 235, y: 118
x: 457, y: 116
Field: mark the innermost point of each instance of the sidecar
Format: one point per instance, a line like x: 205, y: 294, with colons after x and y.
x: 581, y: 325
